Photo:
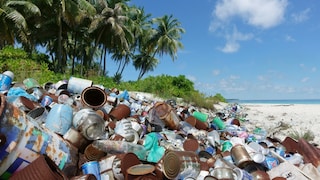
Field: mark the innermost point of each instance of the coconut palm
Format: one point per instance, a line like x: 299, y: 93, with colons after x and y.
x: 167, y: 35
x: 14, y: 16
x: 145, y: 63
x: 164, y: 39
x: 61, y: 26
x: 138, y: 22
x: 109, y: 27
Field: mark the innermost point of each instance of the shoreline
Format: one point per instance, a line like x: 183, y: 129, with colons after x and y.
x: 282, y: 120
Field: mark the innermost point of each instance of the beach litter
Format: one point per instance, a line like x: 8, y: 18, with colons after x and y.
x: 86, y: 131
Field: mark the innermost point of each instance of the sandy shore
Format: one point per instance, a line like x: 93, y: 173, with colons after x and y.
x: 282, y: 120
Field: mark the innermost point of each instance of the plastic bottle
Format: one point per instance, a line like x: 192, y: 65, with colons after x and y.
x: 200, y: 116
x: 186, y: 127
x: 260, y: 134
x: 110, y: 146
x: 219, y: 123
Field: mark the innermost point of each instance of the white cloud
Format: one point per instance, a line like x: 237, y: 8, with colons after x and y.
x: 305, y: 79
x: 289, y: 38
x: 191, y: 78
x: 301, y: 16
x: 261, y: 78
x: 232, y: 45
x: 259, y: 13
x: 216, y: 72
x: 234, y: 77
x: 314, y: 69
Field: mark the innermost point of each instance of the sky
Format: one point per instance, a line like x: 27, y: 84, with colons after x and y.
x: 243, y: 49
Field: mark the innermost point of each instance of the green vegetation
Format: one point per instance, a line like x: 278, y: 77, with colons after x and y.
x: 164, y: 86
x: 80, y: 37
x: 306, y: 135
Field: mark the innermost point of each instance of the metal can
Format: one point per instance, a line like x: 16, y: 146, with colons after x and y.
x: 46, y: 101
x: 5, y: 82
x: 91, y: 167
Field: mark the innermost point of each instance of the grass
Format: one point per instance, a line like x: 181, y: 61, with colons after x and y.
x: 306, y: 135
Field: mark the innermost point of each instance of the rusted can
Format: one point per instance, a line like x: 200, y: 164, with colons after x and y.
x: 24, y: 141
x: 41, y: 168
x: 74, y: 137
x: 191, y: 144
x: 93, y: 97
x: 84, y: 177
x: 166, y: 113
x: 120, y: 111
x: 240, y: 155
x: 180, y: 164
x: 115, y: 166
x: 93, y: 154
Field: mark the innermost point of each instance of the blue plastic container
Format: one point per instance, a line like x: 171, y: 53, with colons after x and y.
x: 59, y: 119
x: 5, y: 82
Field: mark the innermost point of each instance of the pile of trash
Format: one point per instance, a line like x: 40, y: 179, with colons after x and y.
x: 75, y: 129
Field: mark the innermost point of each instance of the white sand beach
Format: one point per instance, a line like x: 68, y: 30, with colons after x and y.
x: 281, y: 120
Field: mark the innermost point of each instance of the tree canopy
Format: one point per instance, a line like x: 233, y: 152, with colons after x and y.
x: 82, y: 35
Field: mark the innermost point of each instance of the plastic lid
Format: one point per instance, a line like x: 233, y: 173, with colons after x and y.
x: 9, y: 73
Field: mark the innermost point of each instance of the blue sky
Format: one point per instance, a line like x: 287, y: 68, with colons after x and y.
x: 244, y: 49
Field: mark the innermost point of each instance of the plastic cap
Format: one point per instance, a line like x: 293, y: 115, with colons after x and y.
x: 9, y: 73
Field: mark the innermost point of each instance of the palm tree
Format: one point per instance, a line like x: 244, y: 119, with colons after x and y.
x: 138, y: 22
x: 61, y: 28
x: 14, y: 16
x: 144, y: 63
x: 109, y: 28
x: 166, y: 37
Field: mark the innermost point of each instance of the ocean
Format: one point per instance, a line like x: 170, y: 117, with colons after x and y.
x: 276, y: 101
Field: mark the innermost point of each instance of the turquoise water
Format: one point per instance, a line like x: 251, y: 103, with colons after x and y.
x: 276, y: 101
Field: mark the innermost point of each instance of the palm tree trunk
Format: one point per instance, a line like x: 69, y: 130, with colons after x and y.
x: 59, y: 40
x: 105, y: 60
x: 124, y: 65
x: 74, y: 52
x: 119, y: 67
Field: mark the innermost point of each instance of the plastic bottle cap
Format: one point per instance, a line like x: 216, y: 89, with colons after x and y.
x: 9, y: 73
